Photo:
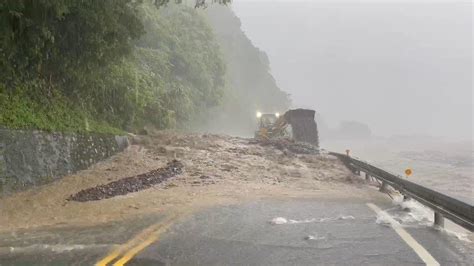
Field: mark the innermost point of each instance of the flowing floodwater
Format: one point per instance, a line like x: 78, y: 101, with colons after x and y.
x: 283, y: 220
x: 444, y: 166
x: 412, y: 214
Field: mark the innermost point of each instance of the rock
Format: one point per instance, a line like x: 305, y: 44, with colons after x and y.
x: 161, y: 150
x: 288, y: 146
x: 228, y: 167
x: 129, y: 184
x: 170, y: 185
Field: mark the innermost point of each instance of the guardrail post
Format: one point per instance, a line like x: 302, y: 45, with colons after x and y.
x: 455, y: 210
x: 438, y: 219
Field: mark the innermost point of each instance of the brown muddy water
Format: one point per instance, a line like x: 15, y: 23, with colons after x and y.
x: 444, y: 166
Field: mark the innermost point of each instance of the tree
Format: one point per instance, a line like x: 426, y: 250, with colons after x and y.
x: 61, y: 41
x: 198, y: 3
x: 93, y: 60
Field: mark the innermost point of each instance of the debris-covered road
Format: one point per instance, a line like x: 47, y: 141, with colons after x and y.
x: 129, y: 184
x: 194, y: 170
x: 170, y: 194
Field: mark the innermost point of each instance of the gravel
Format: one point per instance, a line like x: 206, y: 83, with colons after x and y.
x: 284, y: 144
x: 129, y: 184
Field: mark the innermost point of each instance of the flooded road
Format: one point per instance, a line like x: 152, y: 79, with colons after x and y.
x: 216, y: 169
x: 329, y: 231
x: 235, y: 201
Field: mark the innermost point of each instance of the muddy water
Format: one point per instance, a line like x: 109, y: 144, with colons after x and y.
x: 217, y: 170
x: 440, y: 165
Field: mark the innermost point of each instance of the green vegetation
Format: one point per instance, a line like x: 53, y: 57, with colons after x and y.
x: 118, y: 65
x: 250, y: 86
x: 55, y: 113
x: 182, y: 63
x: 100, y: 65
x: 51, y: 55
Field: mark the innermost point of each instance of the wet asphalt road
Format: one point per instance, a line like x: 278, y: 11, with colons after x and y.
x: 329, y: 232
x: 69, y: 245
x: 242, y: 235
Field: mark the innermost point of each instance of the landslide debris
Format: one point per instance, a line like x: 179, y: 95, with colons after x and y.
x: 129, y: 184
x: 219, y: 169
x: 285, y: 145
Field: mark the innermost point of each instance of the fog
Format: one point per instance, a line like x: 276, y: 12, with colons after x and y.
x: 400, y: 67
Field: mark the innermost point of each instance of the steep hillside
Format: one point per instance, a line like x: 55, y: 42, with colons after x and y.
x: 250, y: 85
x: 120, y: 66
x: 106, y: 66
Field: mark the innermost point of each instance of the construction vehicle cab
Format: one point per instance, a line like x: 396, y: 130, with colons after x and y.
x: 267, y: 120
x: 297, y: 124
x: 266, y: 124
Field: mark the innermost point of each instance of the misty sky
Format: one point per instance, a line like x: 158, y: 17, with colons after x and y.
x: 401, y: 67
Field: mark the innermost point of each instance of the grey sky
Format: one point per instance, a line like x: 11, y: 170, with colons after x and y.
x: 402, y: 67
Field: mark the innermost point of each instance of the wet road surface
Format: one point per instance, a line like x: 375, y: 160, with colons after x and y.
x: 316, y: 232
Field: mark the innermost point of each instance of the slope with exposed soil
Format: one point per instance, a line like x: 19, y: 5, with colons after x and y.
x: 215, y: 170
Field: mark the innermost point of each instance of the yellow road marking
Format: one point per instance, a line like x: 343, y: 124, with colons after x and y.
x: 150, y: 240
x: 138, y: 243
x: 108, y: 258
x: 123, y: 248
x: 131, y: 253
x: 417, y: 247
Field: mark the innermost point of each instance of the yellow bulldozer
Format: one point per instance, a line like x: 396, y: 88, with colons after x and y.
x: 297, y: 124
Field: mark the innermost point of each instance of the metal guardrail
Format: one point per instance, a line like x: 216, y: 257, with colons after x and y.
x: 455, y: 210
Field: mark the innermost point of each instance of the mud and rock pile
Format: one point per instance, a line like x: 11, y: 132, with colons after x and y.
x: 288, y: 145
x: 129, y: 184
x: 171, y: 171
